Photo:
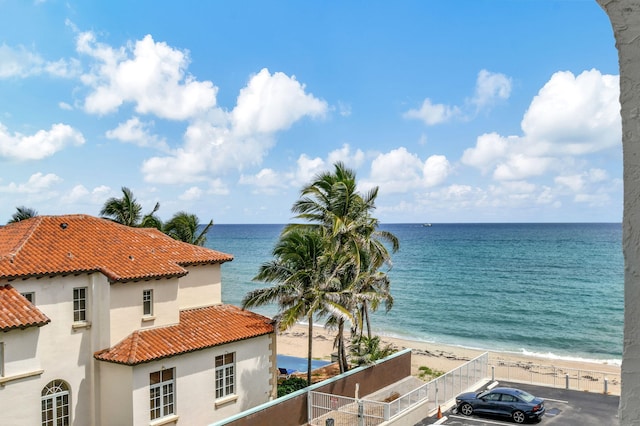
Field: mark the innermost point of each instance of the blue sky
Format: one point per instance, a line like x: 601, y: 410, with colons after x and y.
x: 459, y: 111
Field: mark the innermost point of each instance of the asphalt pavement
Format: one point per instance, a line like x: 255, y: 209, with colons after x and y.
x: 563, y: 408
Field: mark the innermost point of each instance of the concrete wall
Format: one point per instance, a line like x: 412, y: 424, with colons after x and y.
x: 625, y: 19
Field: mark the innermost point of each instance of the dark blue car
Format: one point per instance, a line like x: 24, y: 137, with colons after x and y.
x: 508, y: 402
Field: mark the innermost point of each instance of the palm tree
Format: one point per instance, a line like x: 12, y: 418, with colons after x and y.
x: 125, y: 210
x: 22, y: 213
x: 367, y: 350
x: 128, y: 211
x: 184, y: 226
x: 332, y: 202
x: 305, y: 278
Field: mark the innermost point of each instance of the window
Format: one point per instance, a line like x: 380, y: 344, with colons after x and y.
x: 55, y: 404
x: 147, y: 302
x: 80, y: 304
x: 31, y: 297
x: 161, y: 393
x: 225, y: 375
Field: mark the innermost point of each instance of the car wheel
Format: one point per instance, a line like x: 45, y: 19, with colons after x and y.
x: 518, y: 416
x: 466, y: 409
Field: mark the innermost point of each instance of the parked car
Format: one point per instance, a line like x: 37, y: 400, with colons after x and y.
x: 508, y: 402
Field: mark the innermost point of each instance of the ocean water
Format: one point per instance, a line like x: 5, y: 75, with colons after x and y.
x: 553, y: 290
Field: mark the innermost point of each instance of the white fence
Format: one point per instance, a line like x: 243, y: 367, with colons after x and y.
x: 557, y: 377
x: 339, y: 410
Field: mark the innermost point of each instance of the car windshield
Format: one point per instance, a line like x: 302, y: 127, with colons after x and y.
x: 526, y: 396
x: 483, y: 393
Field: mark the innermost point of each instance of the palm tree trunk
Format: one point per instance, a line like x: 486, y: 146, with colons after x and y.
x: 366, y: 317
x: 310, y: 350
x: 342, y: 355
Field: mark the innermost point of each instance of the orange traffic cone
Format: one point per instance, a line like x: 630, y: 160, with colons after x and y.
x: 439, y: 413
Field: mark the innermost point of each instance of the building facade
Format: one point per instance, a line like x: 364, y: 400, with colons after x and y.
x: 104, y: 324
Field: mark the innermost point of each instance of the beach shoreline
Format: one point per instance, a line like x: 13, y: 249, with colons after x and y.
x: 435, y: 356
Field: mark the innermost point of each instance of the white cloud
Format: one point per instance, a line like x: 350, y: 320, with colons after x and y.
x: 150, y: 74
x: 37, y: 183
x: 436, y: 170
x: 431, y: 113
x: 42, y: 144
x: 306, y: 169
x: 20, y: 62
x: 489, y: 88
x: 266, y: 181
x: 401, y: 171
x: 77, y: 193
x: 217, y: 187
x: 137, y: 132
x: 569, y: 117
x: 575, y: 115
x: 192, y: 193
x: 271, y: 103
x: 219, y: 141
x: 351, y: 159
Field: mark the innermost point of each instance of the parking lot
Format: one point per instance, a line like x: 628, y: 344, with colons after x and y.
x: 563, y: 407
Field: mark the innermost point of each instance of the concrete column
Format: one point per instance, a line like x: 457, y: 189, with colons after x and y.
x: 625, y: 19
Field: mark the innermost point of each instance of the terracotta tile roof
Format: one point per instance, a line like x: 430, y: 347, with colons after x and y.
x: 198, y: 329
x: 53, y: 245
x: 18, y: 312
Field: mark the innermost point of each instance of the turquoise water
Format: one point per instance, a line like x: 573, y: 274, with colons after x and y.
x: 554, y: 290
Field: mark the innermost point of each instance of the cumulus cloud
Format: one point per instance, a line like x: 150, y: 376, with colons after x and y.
x: 220, y: 141
x: 38, y: 182
x: 571, y: 116
x: 42, y: 144
x: 490, y: 87
x: 273, y: 102
x: 401, y: 171
x: 193, y: 193
x: 431, y: 113
x: 21, y: 63
x: 138, y: 133
x: 151, y: 75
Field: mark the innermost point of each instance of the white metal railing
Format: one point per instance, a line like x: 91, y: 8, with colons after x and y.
x: 345, y: 410
x: 557, y: 377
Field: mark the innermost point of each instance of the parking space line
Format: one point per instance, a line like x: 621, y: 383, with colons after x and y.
x: 555, y: 400
x: 472, y: 419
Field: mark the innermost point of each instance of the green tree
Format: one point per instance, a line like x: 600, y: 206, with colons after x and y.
x: 331, y: 201
x: 367, y: 350
x: 184, y: 226
x: 305, y: 281
x: 22, y: 213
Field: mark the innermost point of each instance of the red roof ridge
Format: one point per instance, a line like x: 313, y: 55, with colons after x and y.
x: 199, y: 328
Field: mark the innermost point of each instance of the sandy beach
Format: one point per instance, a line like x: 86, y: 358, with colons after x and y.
x: 435, y: 356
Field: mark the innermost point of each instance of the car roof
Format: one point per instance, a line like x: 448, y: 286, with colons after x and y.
x: 510, y: 391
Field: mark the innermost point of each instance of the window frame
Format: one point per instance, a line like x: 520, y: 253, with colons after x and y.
x: 80, y: 302
x: 58, y: 394
x: 162, y: 393
x: 147, y: 302
x: 1, y: 359
x: 30, y: 296
x: 225, y: 375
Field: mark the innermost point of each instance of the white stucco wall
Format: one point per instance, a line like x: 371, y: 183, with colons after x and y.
x: 62, y: 352
x: 116, y: 398
x: 126, y: 306
x: 200, y: 287
x: 195, y: 382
